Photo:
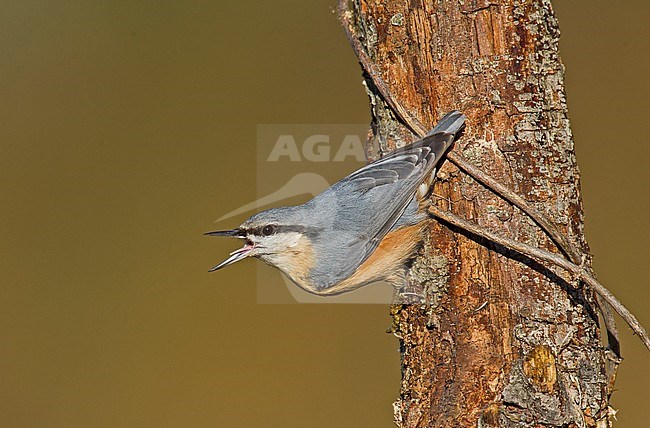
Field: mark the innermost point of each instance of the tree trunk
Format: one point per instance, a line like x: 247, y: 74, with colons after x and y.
x: 505, y: 341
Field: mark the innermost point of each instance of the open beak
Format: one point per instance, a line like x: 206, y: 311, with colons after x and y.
x: 236, y: 255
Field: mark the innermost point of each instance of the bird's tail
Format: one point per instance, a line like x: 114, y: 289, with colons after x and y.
x: 452, y: 123
x: 443, y: 135
x: 447, y: 130
x: 439, y: 139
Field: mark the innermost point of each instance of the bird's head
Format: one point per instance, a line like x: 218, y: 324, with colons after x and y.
x: 278, y: 236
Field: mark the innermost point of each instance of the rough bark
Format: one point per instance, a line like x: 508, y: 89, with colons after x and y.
x: 504, y: 341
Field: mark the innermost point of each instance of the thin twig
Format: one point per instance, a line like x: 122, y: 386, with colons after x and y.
x: 545, y: 256
x: 411, y: 122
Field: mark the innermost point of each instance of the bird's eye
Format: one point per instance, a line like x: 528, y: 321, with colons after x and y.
x: 268, y: 230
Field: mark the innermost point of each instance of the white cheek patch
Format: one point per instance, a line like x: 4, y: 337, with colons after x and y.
x: 288, y: 240
x: 279, y: 242
x: 281, y: 250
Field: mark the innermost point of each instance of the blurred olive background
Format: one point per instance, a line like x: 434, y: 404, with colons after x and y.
x: 128, y: 127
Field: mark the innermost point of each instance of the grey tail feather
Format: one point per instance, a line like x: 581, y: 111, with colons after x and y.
x: 452, y: 123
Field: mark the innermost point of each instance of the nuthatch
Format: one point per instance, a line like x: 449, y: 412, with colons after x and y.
x: 363, y: 229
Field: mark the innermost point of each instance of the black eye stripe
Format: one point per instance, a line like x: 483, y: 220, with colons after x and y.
x: 304, y: 230
x: 263, y: 230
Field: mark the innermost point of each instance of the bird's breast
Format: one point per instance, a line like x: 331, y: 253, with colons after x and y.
x: 385, y: 263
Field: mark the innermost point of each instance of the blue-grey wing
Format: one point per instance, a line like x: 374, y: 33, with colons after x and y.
x: 362, y: 208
